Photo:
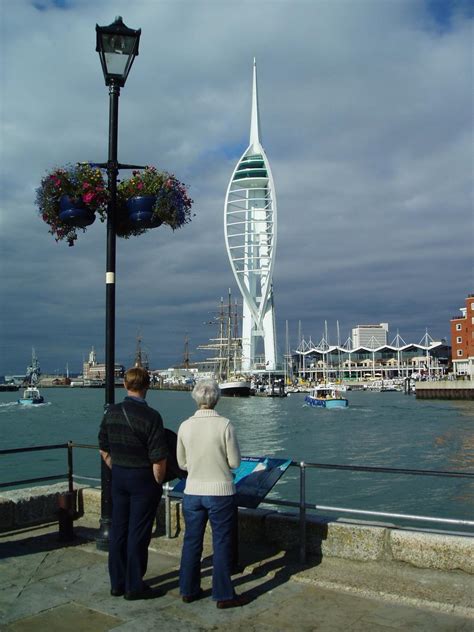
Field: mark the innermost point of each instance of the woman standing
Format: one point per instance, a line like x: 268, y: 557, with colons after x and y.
x: 208, y: 449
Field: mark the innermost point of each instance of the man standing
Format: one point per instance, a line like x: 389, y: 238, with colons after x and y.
x: 132, y: 443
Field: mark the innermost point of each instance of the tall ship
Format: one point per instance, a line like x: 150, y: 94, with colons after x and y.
x: 227, y: 361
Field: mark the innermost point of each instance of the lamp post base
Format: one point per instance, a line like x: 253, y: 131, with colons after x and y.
x: 103, y: 539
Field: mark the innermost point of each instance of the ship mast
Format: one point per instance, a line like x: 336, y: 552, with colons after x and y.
x: 141, y: 359
x: 186, y: 352
x: 228, y: 345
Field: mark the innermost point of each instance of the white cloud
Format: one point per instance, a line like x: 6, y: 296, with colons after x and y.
x: 366, y: 112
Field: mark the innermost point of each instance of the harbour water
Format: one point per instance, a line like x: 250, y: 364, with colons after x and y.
x: 377, y: 429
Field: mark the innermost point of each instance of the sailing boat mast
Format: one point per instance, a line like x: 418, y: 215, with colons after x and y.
x: 229, y: 335
x: 338, y: 352
x: 141, y: 359
x: 186, y: 352
x: 222, y: 368
x: 237, y: 341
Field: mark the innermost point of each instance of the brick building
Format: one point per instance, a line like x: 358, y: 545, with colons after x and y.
x: 462, y: 340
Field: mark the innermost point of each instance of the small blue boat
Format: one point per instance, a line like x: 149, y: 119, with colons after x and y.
x: 325, y: 396
x: 31, y: 396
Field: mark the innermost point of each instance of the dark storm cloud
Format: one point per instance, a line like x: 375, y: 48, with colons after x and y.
x: 366, y: 117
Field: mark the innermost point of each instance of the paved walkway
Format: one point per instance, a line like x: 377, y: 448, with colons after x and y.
x: 47, y: 586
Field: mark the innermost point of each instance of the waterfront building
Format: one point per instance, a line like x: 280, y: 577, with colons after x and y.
x: 17, y: 380
x: 427, y: 359
x: 250, y: 226
x: 93, y: 371
x: 370, y: 335
x: 462, y: 339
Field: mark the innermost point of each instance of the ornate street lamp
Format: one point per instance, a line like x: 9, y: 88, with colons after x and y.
x: 117, y: 46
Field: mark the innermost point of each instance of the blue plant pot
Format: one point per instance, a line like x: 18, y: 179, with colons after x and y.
x: 140, y: 211
x: 75, y: 213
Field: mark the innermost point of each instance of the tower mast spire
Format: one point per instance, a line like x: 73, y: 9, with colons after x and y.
x: 255, y: 117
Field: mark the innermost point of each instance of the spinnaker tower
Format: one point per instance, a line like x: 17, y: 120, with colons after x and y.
x: 250, y: 222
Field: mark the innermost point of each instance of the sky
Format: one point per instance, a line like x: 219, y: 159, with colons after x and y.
x: 366, y: 111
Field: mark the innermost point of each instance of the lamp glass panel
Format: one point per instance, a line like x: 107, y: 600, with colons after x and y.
x: 117, y: 51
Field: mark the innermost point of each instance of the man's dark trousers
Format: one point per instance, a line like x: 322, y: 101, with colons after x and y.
x: 135, y: 498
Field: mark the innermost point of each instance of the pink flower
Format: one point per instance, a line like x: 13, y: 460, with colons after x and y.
x: 88, y: 197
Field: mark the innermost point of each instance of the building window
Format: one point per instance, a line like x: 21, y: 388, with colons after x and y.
x: 458, y: 326
x: 459, y: 339
x: 472, y: 306
x: 459, y: 353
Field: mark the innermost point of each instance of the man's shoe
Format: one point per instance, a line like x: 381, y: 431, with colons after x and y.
x: 191, y: 598
x: 235, y: 602
x: 146, y: 593
x: 117, y: 592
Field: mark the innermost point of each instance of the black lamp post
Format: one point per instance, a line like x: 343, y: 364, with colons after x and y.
x: 117, y: 46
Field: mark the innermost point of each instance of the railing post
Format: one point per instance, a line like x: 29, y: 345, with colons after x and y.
x: 69, y: 467
x: 166, y: 488
x: 67, y: 503
x: 302, y: 513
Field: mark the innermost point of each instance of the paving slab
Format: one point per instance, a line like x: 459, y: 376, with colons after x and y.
x: 47, y: 585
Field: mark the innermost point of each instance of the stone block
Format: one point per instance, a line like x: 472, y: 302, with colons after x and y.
x: 89, y: 500
x: 433, y: 550
x: 35, y: 505
x: 354, y: 541
x: 281, y: 529
x: 252, y: 525
x: 334, y: 539
x: 7, y: 513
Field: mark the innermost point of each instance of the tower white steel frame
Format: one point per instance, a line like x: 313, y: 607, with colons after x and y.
x: 250, y: 221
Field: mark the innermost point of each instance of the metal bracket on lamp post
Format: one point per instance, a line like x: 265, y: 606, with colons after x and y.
x: 116, y: 165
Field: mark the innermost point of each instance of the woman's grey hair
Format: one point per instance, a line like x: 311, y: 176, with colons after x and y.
x: 206, y: 393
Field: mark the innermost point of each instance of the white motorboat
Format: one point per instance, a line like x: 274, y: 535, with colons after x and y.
x: 326, y: 396
x: 31, y: 396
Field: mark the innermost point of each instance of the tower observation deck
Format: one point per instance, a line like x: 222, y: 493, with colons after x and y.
x: 250, y: 223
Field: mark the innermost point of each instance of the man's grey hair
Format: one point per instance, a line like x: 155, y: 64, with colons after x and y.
x: 206, y: 393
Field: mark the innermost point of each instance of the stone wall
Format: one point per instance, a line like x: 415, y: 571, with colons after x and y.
x: 445, y: 389
x: 30, y: 506
x: 354, y: 540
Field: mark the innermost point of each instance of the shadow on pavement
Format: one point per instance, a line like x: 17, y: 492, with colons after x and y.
x: 34, y: 540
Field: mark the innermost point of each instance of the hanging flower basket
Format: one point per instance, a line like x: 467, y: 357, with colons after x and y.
x: 140, y: 211
x: 151, y: 198
x: 74, y: 212
x: 70, y: 197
